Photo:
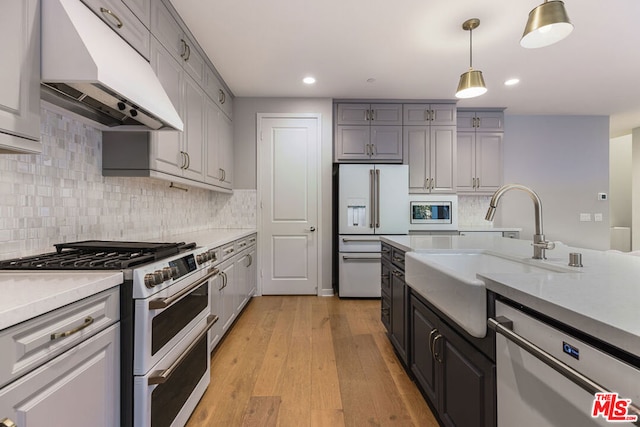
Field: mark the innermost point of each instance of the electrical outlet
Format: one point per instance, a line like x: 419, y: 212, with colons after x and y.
x: 597, y: 217
x: 585, y: 217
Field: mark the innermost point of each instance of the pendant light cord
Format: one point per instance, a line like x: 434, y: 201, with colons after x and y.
x: 471, y: 49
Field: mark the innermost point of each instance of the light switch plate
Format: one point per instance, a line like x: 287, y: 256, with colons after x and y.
x: 597, y: 217
x: 585, y: 217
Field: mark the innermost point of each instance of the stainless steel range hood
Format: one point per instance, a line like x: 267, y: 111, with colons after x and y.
x: 88, y: 69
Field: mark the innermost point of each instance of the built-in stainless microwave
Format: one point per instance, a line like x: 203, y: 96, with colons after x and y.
x: 433, y: 212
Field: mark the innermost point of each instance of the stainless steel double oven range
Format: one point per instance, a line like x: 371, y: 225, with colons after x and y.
x: 165, y: 317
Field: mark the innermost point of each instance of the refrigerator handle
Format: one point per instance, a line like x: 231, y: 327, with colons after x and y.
x: 377, y: 198
x: 372, y: 200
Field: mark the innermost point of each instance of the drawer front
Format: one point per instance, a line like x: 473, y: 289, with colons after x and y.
x: 386, y: 252
x: 240, y: 245
x: 228, y: 251
x: 121, y: 20
x: 385, y: 278
x: 36, y: 341
x: 397, y: 257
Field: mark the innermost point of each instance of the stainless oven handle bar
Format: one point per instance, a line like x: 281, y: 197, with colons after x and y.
x: 350, y: 258
x: 161, y: 377
x: 349, y: 239
x: 502, y: 325
x: 159, y: 303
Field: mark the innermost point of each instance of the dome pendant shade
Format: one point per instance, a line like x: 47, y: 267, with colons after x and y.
x: 548, y: 23
x: 471, y: 84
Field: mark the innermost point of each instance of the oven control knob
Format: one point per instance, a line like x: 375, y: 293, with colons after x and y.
x: 166, y: 273
x: 149, y: 280
x: 159, y: 277
x: 199, y: 258
x: 212, y: 254
x: 174, y: 272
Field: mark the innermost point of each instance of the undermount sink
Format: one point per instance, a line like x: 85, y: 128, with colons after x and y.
x: 449, y: 282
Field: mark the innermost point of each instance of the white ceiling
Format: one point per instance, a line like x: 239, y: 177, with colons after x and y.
x: 416, y: 49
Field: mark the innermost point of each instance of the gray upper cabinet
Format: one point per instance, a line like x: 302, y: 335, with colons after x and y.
x: 429, y: 114
x: 484, y: 121
x: 202, y: 154
x: 124, y: 22
x: 370, y: 114
x: 20, y: 77
x: 430, y: 147
x: 142, y: 9
x: 479, y: 151
x: 167, y: 30
x: 430, y: 152
x: 218, y: 92
x: 369, y: 132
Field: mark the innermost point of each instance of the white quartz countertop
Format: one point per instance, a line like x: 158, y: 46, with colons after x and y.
x: 601, y: 299
x: 212, y: 237
x: 29, y: 294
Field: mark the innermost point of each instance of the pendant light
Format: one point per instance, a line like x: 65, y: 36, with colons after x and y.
x: 471, y: 83
x: 548, y: 23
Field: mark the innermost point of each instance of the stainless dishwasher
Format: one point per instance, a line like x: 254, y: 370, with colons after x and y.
x: 547, y: 377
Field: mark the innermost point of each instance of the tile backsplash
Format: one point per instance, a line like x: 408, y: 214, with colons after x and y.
x: 472, y: 210
x: 61, y: 196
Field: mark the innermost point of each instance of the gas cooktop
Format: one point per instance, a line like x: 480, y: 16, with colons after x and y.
x: 97, y: 255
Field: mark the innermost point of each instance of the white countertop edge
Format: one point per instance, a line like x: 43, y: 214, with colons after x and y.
x: 37, y: 297
x: 212, y: 237
x: 606, y: 332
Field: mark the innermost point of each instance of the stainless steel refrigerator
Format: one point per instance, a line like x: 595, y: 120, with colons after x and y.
x: 372, y: 200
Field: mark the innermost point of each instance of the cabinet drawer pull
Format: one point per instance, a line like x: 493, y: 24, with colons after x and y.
x: 477, y: 182
x: 433, y: 331
x: 87, y: 321
x: 222, y: 97
x: 398, y: 273
x: 435, y: 353
x: 228, y: 251
x: 373, y: 115
x: 109, y: 13
x: 161, y: 377
x: 398, y: 259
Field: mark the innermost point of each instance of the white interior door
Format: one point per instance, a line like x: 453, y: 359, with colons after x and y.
x: 288, y: 191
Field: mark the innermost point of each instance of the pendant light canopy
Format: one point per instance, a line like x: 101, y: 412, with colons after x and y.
x: 548, y: 23
x: 471, y: 83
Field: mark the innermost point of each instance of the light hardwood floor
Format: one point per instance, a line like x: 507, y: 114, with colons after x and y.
x: 309, y: 361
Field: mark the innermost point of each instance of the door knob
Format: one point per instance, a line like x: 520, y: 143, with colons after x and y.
x: 312, y: 229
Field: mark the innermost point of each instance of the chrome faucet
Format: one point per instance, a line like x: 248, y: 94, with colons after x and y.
x: 539, y: 244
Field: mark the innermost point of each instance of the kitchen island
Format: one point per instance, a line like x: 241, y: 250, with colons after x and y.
x: 455, y: 283
x: 600, y: 298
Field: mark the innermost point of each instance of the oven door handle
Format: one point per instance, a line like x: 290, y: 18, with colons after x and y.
x: 161, y: 377
x: 159, y: 303
x: 503, y: 326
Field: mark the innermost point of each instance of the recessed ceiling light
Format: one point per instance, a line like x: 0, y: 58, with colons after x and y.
x: 309, y: 80
x: 511, y: 82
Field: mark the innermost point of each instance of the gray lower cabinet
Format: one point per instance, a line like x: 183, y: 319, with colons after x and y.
x: 455, y: 377
x: 385, y: 287
x: 398, y: 304
x: 20, y: 77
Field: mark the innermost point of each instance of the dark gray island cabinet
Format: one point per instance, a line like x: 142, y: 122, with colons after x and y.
x: 454, y: 370
x: 457, y: 378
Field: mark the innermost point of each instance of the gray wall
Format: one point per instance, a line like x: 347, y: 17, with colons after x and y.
x: 620, y: 181
x: 635, y: 186
x: 245, y: 111
x: 565, y: 159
